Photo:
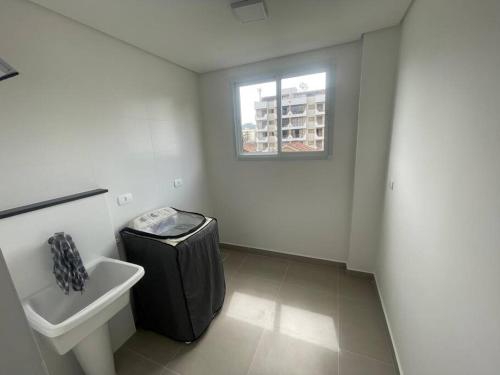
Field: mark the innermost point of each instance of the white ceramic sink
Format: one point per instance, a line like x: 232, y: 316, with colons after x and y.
x: 78, y: 321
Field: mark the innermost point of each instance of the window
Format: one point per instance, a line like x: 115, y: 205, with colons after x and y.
x: 298, y: 109
x: 254, y: 100
x: 291, y: 130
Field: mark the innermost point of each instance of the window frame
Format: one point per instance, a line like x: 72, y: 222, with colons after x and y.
x: 277, y: 76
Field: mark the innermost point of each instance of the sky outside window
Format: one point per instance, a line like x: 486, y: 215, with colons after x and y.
x: 309, y: 82
x: 249, y: 95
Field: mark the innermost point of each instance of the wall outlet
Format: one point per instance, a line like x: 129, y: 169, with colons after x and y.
x: 124, y: 199
x: 178, y: 183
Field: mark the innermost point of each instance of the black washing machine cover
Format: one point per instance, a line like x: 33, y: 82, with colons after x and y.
x: 183, y: 287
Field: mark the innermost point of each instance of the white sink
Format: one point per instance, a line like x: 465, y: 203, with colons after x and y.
x: 79, y: 321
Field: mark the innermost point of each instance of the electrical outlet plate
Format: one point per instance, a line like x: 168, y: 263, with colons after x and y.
x: 124, y: 199
x: 178, y: 183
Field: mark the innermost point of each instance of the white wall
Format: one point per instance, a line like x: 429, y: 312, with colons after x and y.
x: 19, y: 354
x: 89, y: 111
x: 376, y: 103
x: 440, y: 260
x: 300, y: 207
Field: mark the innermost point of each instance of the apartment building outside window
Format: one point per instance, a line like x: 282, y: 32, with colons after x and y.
x: 298, y: 130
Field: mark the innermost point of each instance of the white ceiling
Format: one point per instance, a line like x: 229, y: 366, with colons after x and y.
x: 203, y: 35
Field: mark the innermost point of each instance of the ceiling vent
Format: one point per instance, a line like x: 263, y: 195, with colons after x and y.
x: 6, y: 71
x: 249, y: 10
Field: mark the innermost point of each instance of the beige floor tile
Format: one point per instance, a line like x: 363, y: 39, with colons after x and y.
x: 247, y: 283
x: 363, y: 330
x: 279, y: 317
x: 313, y: 276
x: 357, y: 287
x: 283, y: 354
x: 270, y: 268
x: 158, y: 348
x: 227, y: 253
x: 128, y: 362
x: 227, y: 348
x: 232, y: 261
x: 224, y: 253
x: 252, y: 283
x: 355, y: 364
x: 309, y: 299
x: 252, y: 300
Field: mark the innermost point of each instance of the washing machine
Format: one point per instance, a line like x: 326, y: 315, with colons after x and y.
x: 183, y: 287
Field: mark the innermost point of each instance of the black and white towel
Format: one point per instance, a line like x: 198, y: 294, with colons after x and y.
x: 68, y: 267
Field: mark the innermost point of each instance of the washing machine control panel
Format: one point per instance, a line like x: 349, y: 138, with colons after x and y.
x: 152, y: 218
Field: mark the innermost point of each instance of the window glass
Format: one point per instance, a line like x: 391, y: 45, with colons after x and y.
x: 257, y: 108
x: 297, y: 94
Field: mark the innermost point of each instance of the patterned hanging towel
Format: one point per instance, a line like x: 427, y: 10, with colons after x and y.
x: 68, y: 267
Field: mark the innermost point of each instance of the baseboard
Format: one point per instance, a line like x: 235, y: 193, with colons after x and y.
x: 397, y: 363
x: 282, y: 254
x: 363, y: 274
x: 358, y: 269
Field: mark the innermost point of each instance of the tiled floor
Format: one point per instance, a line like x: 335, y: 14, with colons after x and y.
x: 280, y: 317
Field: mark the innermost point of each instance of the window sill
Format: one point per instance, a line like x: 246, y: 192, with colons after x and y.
x: 285, y: 156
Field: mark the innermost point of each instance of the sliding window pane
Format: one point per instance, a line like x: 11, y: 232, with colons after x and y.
x: 258, y: 118
x: 303, y: 101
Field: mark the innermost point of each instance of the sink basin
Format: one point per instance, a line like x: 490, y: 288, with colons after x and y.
x: 78, y: 321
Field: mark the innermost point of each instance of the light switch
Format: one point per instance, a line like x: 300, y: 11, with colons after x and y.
x: 125, y: 199
x: 178, y: 183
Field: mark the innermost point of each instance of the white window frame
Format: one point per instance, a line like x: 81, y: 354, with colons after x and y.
x: 277, y: 76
